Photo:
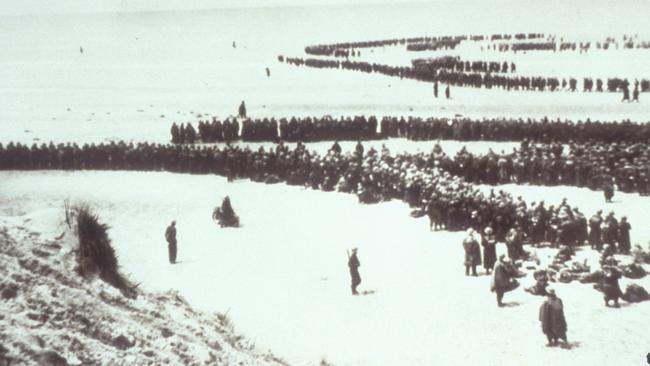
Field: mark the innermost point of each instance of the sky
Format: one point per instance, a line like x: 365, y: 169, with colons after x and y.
x: 28, y: 7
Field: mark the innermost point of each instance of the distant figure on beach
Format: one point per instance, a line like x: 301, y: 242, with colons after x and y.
x: 610, y: 286
x: 624, y: 228
x: 551, y: 315
x: 502, y: 280
x: 353, y: 265
x: 626, y: 94
x: 234, y: 44
x: 488, y: 241
x: 435, y: 89
x: 225, y: 215
x: 242, y: 110
x: 635, y: 93
x: 336, y: 148
x: 268, y: 72
x: 447, y: 92
x: 170, y: 236
x: 81, y: 49
x: 608, y: 190
x: 472, y: 253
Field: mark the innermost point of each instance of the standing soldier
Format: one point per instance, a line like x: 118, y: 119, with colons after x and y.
x: 170, y: 235
x: 488, y: 241
x: 353, y: 264
x: 626, y: 93
x: 514, y: 243
x: 242, y: 110
x: 176, y: 136
x: 447, y: 92
x: 608, y: 189
x: 551, y: 315
x: 502, y: 281
x: 610, y: 285
x: 472, y: 252
x: 624, y: 236
x: 594, y: 231
x: 435, y: 89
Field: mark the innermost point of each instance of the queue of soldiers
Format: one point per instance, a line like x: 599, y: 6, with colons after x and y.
x: 427, y: 72
x: 413, y: 128
x: 455, y: 63
x: 504, y: 129
x: 450, y: 202
x: 271, y: 129
x: 331, y: 49
x: 551, y: 44
x: 594, y: 165
x: 445, y: 44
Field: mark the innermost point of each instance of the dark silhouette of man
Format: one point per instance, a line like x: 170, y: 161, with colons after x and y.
x: 551, y: 315
x: 170, y: 236
x: 242, y: 110
x: 353, y: 265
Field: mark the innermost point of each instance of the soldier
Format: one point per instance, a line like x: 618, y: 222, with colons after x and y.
x: 353, y: 265
x: 626, y: 94
x: 514, y: 243
x: 472, y: 253
x: 502, y: 280
x: 447, y: 92
x: 608, y: 190
x: 359, y: 150
x: 170, y: 236
x: 242, y: 110
x: 551, y: 315
x: 610, y: 285
x: 624, y: 236
x: 488, y: 241
x: 594, y: 231
x: 336, y: 148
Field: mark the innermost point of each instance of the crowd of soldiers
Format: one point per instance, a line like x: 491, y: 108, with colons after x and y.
x: 450, y: 202
x: 552, y: 44
x: 270, y: 129
x: 455, y: 63
x: 505, y: 129
x: 331, y: 49
x: 413, y: 128
x: 444, y: 44
x: 427, y: 72
x: 593, y: 165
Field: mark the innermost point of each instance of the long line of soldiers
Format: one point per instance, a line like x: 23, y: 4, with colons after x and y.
x: 458, y: 64
x: 271, y: 129
x: 413, y: 128
x: 330, y: 49
x: 553, y: 45
x: 449, y: 201
x: 593, y: 165
x: 427, y: 72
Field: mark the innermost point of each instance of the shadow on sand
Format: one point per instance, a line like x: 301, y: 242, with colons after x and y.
x: 367, y: 292
x: 569, y: 345
x: 511, y: 304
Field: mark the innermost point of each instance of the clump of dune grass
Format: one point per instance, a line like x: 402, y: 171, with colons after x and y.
x: 96, y: 255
